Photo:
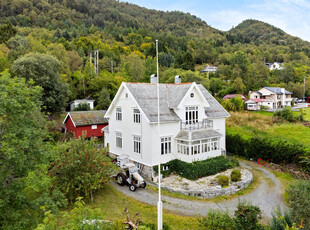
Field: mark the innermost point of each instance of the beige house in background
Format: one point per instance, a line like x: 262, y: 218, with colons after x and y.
x: 272, y: 97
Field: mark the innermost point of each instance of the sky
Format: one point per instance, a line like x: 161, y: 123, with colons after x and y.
x: 292, y: 16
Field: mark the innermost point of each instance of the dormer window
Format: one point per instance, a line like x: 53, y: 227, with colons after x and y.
x: 191, y: 114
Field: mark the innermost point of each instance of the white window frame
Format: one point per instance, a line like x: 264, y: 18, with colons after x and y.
x: 137, y: 144
x: 118, y: 113
x: 118, y: 140
x: 191, y: 114
x: 165, y: 145
x: 94, y: 127
x: 136, y: 116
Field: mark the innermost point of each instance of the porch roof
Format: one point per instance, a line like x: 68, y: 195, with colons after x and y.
x: 197, y: 134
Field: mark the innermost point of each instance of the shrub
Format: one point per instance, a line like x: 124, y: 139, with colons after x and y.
x: 82, y: 107
x: 80, y: 168
x: 233, y: 104
x: 265, y: 148
x: 235, y: 175
x: 247, y: 217
x: 223, y: 180
x: 287, y: 114
x: 281, y: 221
x: 299, y: 202
x: 198, y: 169
x: 217, y: 220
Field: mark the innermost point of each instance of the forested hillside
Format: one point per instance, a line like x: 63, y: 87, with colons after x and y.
x: 125, y: 34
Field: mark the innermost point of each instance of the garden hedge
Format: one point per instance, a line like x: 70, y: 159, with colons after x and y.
x: 278, y: 151
x: 198, y: 169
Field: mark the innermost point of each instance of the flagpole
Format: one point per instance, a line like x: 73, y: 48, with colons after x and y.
x: 159, y: 203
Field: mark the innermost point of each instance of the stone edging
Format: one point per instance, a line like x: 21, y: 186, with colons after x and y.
x: 210, y: 193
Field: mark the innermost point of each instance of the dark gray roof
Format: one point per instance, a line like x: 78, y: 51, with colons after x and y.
x: 170, y: 96
x: 277, y: 90
x: 258, y: 93
x: 215, y: 110
x: 197, y: 134
x: 82, y: 118
x: 146, y: 96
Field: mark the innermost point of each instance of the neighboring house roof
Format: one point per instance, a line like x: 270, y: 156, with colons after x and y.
x: 229, y: 96
x: 209, y: 69
x: 254, y: 100
x: 170, y: 96
x: 277, y: 90
x: 83, y: 118
x: 197, y: 134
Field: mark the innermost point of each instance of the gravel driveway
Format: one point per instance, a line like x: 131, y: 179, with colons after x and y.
x: 268, y: 196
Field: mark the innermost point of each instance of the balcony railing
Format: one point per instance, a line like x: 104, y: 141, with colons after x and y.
x: 206, y: 124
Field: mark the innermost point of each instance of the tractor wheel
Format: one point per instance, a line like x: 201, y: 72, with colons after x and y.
x: 132, y: 187
x: 143, y: 185
x: 121, y: 179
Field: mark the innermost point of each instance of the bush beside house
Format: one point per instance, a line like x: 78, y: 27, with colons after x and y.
x: 198, y: 169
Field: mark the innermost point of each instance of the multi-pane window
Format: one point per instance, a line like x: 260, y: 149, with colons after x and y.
x: 165, y: 145
x: 191, y: 114
x: 119, y: 140
x: 136, y: 116
x: 118, y: 114
x: 197, y: 147
x: 137, y: 144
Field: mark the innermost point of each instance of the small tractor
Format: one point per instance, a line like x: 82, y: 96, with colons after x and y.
x: 129, y: 175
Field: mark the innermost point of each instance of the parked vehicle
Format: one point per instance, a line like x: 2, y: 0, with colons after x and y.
x: 129, y: 175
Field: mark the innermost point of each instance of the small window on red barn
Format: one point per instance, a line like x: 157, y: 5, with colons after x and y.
x: 94, y: 127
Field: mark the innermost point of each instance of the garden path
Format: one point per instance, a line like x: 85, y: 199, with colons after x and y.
x: 268, y: 196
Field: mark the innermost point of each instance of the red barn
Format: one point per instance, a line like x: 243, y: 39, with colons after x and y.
x: 89, y: 122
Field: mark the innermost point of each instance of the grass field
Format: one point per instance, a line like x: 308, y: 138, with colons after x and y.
x: 306, y: 112
x: 112, y: 204
x: 249, y: 124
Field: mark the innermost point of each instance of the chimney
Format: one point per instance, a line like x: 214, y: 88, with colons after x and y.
x: 154, y: 78
x: 177, y: 79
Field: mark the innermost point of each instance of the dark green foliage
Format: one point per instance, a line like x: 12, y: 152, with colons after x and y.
x: 82, y: 107
x: 299, y: 202
x: 216, y: 220
x: 287, y: 114
x: 223, y: 180
x: 44, y: 69
x: 80, y: 168
x: 104, y: 100
x: 7, y: 30
x: 277, y: 151
x: 198, y: 169
x: 235, y: 175
x: 247, y: 217
x: 23, y: 146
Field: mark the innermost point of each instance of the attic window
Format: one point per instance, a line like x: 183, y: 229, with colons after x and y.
x: 126, y: 95
x: 192, y: 95
x: 94, y: 127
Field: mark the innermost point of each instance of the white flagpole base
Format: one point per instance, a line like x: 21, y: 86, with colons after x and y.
x: 160, y: 215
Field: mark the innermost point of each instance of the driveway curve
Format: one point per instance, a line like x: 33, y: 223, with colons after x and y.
x: 268, y: 196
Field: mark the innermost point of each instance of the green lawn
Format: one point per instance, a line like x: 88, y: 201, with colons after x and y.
x: 306, y: 112
x: 112, y: 204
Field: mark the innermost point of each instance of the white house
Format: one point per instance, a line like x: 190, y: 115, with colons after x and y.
x: 275, y: 65
x: 192, y: 124
x: 75, y: 103
x: 272, y: 97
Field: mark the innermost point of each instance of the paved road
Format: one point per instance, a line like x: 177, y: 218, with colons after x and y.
x: 268, y: 196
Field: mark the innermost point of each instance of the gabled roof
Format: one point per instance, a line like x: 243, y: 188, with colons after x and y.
x: 277, y: 90
x: 170, y: 96
x: 83, y: 118
x: 215, y: 110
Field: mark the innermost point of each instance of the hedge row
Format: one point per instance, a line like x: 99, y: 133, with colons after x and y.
x: 266, y: 148
x: 198, y: 169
